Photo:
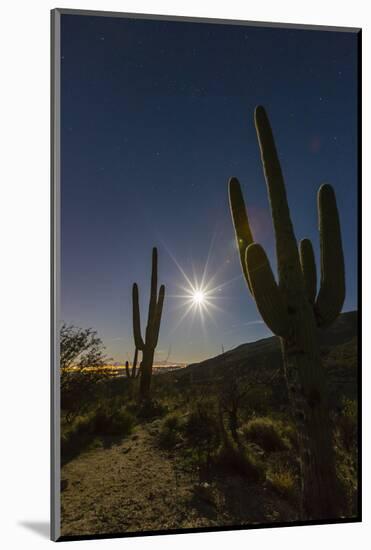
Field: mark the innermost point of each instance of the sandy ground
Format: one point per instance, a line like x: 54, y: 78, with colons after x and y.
x: 135, y: 486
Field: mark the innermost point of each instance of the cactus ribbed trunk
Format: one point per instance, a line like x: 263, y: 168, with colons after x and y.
x: 146, y: 374
x: 292, y: 312
x: 321, y: 498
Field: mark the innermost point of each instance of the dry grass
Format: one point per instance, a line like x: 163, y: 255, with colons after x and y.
x: 267, y: 433
x: 283, y: 483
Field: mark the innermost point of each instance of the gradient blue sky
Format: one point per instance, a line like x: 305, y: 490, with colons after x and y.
x: 156, y: 116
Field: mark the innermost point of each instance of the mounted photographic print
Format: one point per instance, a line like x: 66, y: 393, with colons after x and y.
x: 205, y: 193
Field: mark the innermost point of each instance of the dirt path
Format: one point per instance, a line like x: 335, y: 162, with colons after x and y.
x: 135, y: 486
x: 132, y: 486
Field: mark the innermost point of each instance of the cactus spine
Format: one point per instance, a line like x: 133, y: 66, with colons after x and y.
x: 148, y: 345
x: 293, y: 310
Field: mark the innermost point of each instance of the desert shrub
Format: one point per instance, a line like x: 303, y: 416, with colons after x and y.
x: 289, y: 435
x: 85, y: 430
x: 170, y: 431
x: 119, y: 387
x: 107, y: 422
x: 167, y: 438
x: 201, y: 430
x: 258, y: 400
x: 266, y: 433
x: 165, y: 385
x: 233, y: 459
x: 201, y: 427
x: 173, y: 421
x: 283, y: 483
x: 151, y: 409
x: 77, y: 436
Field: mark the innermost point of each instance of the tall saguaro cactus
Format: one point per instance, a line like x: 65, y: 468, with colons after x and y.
x: 293, y: 310
x: 148, y: 345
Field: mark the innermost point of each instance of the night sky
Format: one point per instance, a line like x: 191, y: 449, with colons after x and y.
x: 156, y: 116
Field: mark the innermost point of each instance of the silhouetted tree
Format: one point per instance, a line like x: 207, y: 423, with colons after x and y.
x: 82, y: 358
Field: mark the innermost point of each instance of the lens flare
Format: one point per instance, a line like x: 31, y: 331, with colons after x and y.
x: 198, y: 297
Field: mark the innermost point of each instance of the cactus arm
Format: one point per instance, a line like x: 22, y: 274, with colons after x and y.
x: 136, y: 319
x: 308, y: 267
x: 157, y: 320
x: 135, y: 361
x: 286, y: 245
x: 134, y: 367
x: 241, y: 223
x: 267, y: 294
x: 153, y: 297
x: 331, y: 295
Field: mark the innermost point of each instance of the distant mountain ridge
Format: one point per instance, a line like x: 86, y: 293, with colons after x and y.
x: 266, y: 352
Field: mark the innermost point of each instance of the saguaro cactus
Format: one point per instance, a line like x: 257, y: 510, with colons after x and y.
x: 148, y: 345
x: 293, y: 310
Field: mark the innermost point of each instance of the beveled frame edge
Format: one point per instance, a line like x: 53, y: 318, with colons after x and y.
x: 190, y: 19
x: 55, y: 466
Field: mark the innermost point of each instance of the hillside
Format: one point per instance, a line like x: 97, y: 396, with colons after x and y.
x: 339, y: 353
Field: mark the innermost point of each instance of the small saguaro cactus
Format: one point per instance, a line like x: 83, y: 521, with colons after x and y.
x: 134, y: 373
x: 293, y: 310
x: 148, y: 345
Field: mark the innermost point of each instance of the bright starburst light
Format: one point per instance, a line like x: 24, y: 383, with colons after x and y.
x: 201, y: 294
x: 198, y: 300
x: 199, y: 297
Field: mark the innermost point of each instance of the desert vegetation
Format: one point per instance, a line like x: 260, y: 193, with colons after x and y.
x: 192, y: 451
x: 263, y: 433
